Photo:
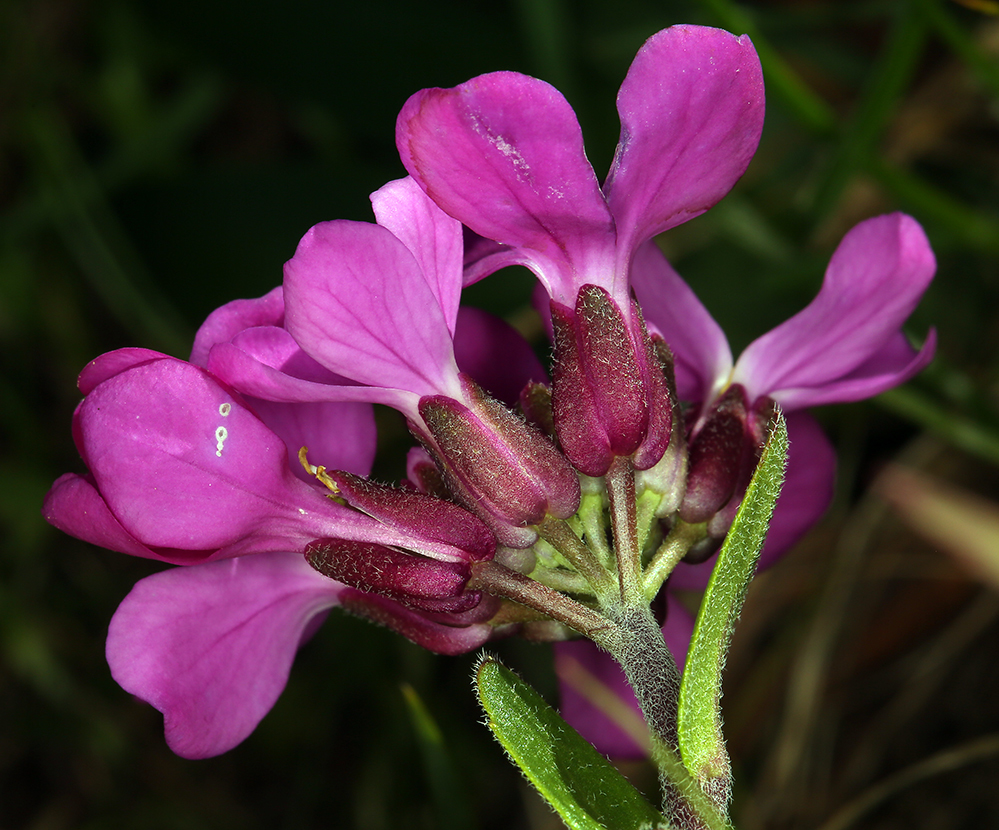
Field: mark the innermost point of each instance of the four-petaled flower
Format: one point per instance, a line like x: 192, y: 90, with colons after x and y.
x: 211, y: 465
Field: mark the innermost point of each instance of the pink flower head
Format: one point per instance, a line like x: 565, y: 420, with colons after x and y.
x: 182, y: 469
x: 504, y: 154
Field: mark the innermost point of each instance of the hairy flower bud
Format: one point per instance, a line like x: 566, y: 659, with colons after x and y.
x: 609, y: 393
x: 420, y: 516
x: 716, y: 458
x: 502, y: 467
x: 723, y: 456
x: 416, y: 581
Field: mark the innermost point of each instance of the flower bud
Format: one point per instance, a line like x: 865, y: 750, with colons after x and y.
x: 716, y: 458
x: 425, y: 518
x: 609, y: 395
x: 499, y: 465
x: 416, y: 581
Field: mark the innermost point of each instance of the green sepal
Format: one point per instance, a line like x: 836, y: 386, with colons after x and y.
x: 578, y: 782
x: 702, y: 746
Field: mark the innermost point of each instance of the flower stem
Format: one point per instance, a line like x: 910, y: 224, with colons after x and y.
x: 681, y: 539
x: 563, y: 538
x: 620, y: 480
x: 500, y: 581
x: 638, y: 646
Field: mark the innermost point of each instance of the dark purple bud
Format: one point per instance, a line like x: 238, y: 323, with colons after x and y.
x: 504, y: 468
x: 661, y: 386
x: 757, y: 429
x: 416, y: 581
x: 421, y: 516
x: 717, y: 457
x: 610, y: 395
x: 577, y: 419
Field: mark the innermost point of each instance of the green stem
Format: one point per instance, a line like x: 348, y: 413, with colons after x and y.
x: 620, y: 480
x: 638, y: 646
x: 674, y: 547
x: 558, y: 534
x: 500, y: 581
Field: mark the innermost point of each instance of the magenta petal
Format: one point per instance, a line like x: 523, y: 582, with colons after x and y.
x: 358, y: 303
x: 701, y: 353
x: 892, y: 365
x: 691, y: 113
x: 596, y: 698
x: 433, y: 237
x: 180, y: 462
x: 875, y: 279
x: 227, y: 321
x: 114, y: 363
x: 211, y: 645
x: 267, y: 363
x: 340, y: 436
x: 479, y: 338
x: 74, y: 505
x: 503, y: 153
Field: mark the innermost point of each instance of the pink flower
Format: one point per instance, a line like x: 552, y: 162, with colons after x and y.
x: 503, y: 153
x: 185, y: 470
x: 846, y: 345
x: 372, y: 315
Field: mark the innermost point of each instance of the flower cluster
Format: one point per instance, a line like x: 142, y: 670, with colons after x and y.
x: 535, y: 502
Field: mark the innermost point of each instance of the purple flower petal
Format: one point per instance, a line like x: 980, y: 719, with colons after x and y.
x: 875, y: 279
x: 341, y: 436
x: 479, y: 338
x: 433, y: 237
x: 358, y: 303
x: 227, y: 321
x: 691, y: 113
x: 702, y: 358
x: 180, y: 462
x: 74, y: 505
x: 268, y: 364
x: 503, y: 153
x: 192, y: 474
x: 892, y: 365
x: 484, y: 257
x: 114, y: 363
x: 211, y: 645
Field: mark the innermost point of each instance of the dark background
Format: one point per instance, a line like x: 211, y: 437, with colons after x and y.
x: 159, y: 159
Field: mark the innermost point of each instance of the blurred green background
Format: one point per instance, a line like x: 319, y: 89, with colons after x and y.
x: 158, y: 159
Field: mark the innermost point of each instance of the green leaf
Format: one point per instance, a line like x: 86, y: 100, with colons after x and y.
x: 576, y: 780
x: 702, y: 745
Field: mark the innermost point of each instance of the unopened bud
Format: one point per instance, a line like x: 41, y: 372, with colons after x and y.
x: 716, y: 458
x: 609, y: 395
x: 504, y: 469
x: 435, y: 525
x: 416, y: 581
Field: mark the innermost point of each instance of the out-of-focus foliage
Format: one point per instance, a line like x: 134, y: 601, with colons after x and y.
x: 158, y: 159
